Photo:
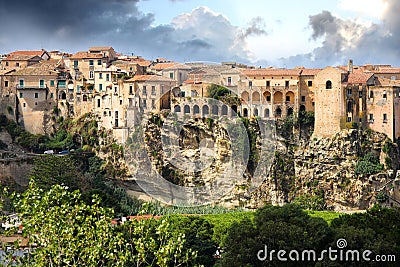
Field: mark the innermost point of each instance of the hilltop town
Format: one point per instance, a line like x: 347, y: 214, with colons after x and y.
x: 117, y: 88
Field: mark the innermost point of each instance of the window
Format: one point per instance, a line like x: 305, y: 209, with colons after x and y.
x: 144, y: 103
x: 98, y: 102
x: 328, y: 85
x: 303, y: 98
x: 371, y: 118
x: 153, y: 90
x: 229, y: 81
x: 5, y: 83
x: 130, y: 89
x: 250, y: 84
x: 371, y: 94
x: 393, y: 78
x: 78, y: 88
x: 120, y: 101
x: 36, y: 95
x: 107, y: 77
x: 348, y: 119
x: 51, y: 95
x: 91, y: 63
x: 105, y: 113
x: 115, y: 89
x: 100, y: 87
x: 100, y: 75
x: 52, y: 83
x: 309, y: 83
x: 17, y: 64
x: 75, y: 63
x: 41, y: 83
x: 152, y: 103
x: 7, y: 63
x: 21, y: 95
x: 287, y: 98
x: 268, y: 83
x: 162, y: 89
x: 360, y: 94
x: 287, y: 84
x: 99, y: 62
x: 24, y: 105
x: 268, y: 98
x: 171, y: 75
x: 384, y: 118
x: 384, y: 95
x: 62, y: 84
x: 91, y: 74
x: 21, y: 83
x: 144, y: 90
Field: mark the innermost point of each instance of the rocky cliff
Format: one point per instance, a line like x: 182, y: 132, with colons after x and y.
x: 328, y: 173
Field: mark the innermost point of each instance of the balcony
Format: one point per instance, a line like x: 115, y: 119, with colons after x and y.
x: 31, y: 87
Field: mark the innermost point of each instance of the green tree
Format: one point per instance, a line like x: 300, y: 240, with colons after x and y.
x: 67, y: 231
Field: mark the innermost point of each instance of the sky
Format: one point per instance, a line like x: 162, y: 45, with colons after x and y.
x: 284, y: 33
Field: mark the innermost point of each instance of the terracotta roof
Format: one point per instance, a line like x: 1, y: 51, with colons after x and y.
x: 18, y: 57
x: 386, y: 82
x: 40, y: 69
x: 100, y: 48
x: 271, y: 72
x: 310, y: 72
x: 86, y: 55
x: 142, y: 78
x: 29, y: 53
x: 163, y: 66
x: 359, y: 77
x: 387, y: 70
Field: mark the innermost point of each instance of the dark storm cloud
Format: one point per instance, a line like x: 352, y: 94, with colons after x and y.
x: 76, y: 25
x: 344, y: 39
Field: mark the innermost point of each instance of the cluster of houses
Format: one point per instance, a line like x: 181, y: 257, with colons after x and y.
x: 36, y: 84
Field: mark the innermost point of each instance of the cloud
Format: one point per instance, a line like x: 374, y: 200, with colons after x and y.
x: 344, y: 39
x: 76, y: 25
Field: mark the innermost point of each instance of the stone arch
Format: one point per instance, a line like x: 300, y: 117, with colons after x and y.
x: 290, y: 97
x: 206, y: 110
x: 267, y: 96
x: 245, y: 112
x: 214, y: 109
x: 328, y: 84
x: 266, y: 113
x: 245, y: 96
x: 224, y: 110
x: 196, y: 109
x: 255, y: 112
x: 63, y: 95
x: 278, y: 112
x: 177, y: 109
x: 302, y: 108
x: 233, y: 110
x: 278, y: 97
x: 290, y: 111
x: 255, y: 97
x: 186, y: 109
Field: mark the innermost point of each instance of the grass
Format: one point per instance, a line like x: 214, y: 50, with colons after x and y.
x: 328, y: 216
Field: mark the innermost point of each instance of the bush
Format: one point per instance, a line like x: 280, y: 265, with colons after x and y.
x: 368, y: 165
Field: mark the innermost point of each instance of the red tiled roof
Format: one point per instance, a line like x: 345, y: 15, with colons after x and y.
x: 162, y: 66
x: 310, y: 72
x: 21, y: 57
x: 271, y: 72
x: 28, y: 53
x: 84, y: 55
x: 359, y: 77
x: 387, y: 70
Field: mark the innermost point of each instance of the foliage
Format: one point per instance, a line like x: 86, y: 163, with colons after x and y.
x: 382, y: 197
x: 3, y: 145
x: 217, y: 91
x: 286, y: 227
x: 67, y: 231
x: 310, y: 202
x: 368, y: 165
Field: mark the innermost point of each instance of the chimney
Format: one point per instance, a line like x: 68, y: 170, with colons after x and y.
x: 350, y: 66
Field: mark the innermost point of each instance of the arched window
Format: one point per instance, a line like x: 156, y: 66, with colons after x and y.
x: 63, y: 95
x: 349, y: 106
x: 224, y: 110
x: 278, y: 112
x: 177, y: 108
x: 266, y: 113
x: 215, y: 110
x: 186, y: 109
x: 302, y: 108
x: 328, y: 85
x: 290, y: 111
x: 206, y: 110
x: 245, y: 112
x: 255, y: 112
x: 196, y: 109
